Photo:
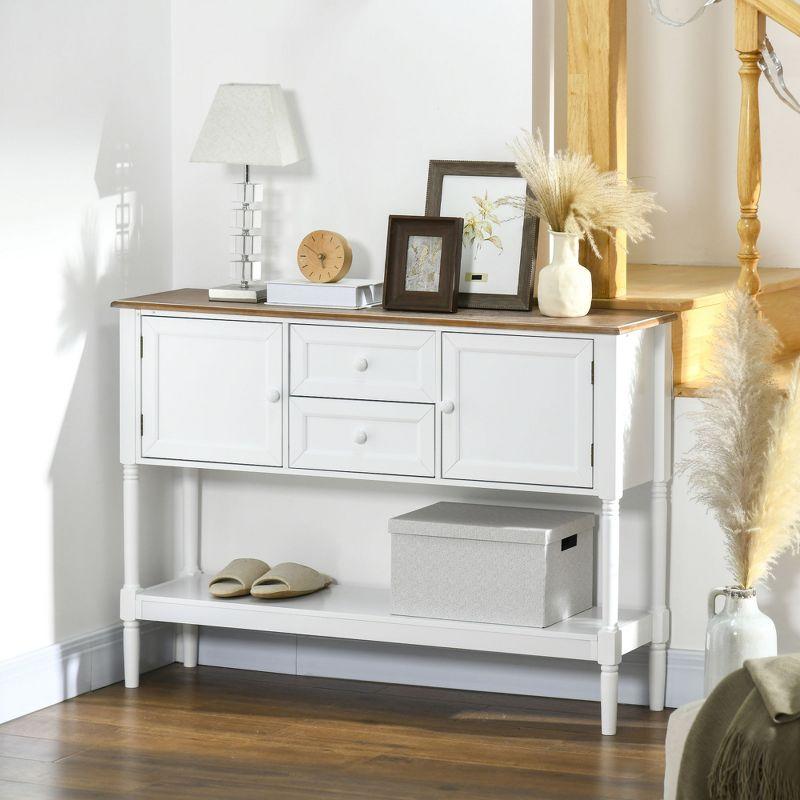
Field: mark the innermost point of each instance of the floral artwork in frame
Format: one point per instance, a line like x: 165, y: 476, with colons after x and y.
x: 499, y: 242
x: 423, y: 256
x: 424, y: 262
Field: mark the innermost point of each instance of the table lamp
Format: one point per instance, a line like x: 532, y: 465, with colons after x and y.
x: 247, y: 124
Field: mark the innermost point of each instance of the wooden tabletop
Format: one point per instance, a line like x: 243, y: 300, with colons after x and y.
x: 608, y: 321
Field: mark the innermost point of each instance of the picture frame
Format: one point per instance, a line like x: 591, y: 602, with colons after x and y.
x: 499, y: 249
x: 423, y: 259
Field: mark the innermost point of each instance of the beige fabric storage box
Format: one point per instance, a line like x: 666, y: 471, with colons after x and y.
x: 501, y: 564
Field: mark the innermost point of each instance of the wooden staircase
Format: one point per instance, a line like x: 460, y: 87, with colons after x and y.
x: 696, y: 294
x: 597, y: 125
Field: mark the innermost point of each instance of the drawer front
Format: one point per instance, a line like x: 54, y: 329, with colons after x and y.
x: 363, y: 363
x: 361, y: 436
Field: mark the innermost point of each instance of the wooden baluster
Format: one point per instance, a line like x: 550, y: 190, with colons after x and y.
x: 750, y: 30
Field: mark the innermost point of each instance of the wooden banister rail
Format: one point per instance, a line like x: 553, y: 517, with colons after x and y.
x: 750, y: 30
x: 750, y: 27
x: 784, y: 12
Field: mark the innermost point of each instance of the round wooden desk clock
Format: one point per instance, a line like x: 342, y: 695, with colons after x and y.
x: 324, y: 256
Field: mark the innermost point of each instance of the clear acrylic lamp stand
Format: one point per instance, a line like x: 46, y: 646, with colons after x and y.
x: 245, y: 245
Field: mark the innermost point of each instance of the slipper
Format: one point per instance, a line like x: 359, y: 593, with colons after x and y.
x: 289, y: 580
x: 237, y: 578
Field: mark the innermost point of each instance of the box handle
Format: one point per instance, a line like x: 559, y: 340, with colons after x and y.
x: 568, y: 542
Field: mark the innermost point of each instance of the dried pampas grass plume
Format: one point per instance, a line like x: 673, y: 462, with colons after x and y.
x: 775, y: 526
x: 572, y: 195
x: 743, y: 465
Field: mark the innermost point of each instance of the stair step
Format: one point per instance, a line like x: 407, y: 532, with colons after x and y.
x: 697, y: 293
x: 783, y: 369
x: 680, y: 287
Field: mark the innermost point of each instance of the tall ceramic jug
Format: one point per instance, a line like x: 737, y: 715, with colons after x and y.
x: 737, y: 632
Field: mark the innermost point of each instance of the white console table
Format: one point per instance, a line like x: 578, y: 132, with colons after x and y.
x: 507, y: 400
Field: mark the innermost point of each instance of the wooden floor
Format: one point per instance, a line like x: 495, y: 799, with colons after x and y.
x: 217, y: 733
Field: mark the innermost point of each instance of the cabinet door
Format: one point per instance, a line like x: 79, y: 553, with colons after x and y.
x: 211, y: 390
x: 517, y: 409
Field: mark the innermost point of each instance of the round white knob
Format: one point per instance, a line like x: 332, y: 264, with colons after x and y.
x: 361, y: 364
x: 360, y: 437
x: 448, y: 406
x: 274, y: 396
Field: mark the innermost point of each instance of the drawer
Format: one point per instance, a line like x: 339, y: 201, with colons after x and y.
x: 361, y: 436
x: 363, y: 363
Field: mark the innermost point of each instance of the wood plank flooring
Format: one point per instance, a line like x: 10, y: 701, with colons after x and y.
x: 218, y: 733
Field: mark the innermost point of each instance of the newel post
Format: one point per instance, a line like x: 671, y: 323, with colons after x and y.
x: 750, y: 28
x: 597, y: 114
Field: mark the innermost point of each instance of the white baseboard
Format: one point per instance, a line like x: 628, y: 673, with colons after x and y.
x: 77, y: 665
x: 684, y: 676
x: 455, y: 669
x: 91, y: 661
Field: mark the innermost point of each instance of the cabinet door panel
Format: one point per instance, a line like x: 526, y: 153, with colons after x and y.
x: 522, y: 409
x: 211, y: 390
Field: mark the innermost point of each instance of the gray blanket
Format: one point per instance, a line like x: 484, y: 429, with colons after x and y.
x: 745, y: 742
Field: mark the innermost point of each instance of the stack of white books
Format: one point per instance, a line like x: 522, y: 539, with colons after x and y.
x: 346, y: 293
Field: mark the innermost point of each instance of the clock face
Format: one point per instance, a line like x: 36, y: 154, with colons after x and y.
x: 324, y: 256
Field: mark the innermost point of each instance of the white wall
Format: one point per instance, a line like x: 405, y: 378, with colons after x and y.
x: 379, y: 88
x: 81, y: 84
x: 368, y: 150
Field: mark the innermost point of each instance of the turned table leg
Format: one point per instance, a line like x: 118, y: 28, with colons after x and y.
x: 609, y: 644
x: 130, y: 523
x: 658, y: 648
x: 190, y: 479
x: 662, y: 471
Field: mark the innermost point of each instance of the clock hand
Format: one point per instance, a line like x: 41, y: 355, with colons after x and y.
x: 320, y: 256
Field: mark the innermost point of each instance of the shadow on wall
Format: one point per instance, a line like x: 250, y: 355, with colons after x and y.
x: 124, y: 249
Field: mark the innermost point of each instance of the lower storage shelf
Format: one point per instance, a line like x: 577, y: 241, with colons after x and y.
x: 364, y: 612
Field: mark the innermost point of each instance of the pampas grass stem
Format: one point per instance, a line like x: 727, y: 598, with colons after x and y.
x: 743, y: 465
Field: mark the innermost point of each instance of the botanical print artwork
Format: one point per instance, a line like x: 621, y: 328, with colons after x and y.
x: 479, y: 225
x: 423, y: 263
x: 493, y: 230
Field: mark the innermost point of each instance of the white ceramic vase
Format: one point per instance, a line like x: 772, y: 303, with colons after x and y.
x: 565, y: 287
x: 738, y: 632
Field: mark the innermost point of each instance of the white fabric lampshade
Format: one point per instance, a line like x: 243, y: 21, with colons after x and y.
x: 248, y: 123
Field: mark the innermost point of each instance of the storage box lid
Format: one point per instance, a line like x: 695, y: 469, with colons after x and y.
x: 492, y: 523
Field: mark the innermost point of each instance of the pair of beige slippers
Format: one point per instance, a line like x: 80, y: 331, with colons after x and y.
x: 255, y: 577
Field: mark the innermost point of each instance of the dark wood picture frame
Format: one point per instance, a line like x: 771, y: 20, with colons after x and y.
x: 523, y: 299
x: 395, y: 295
